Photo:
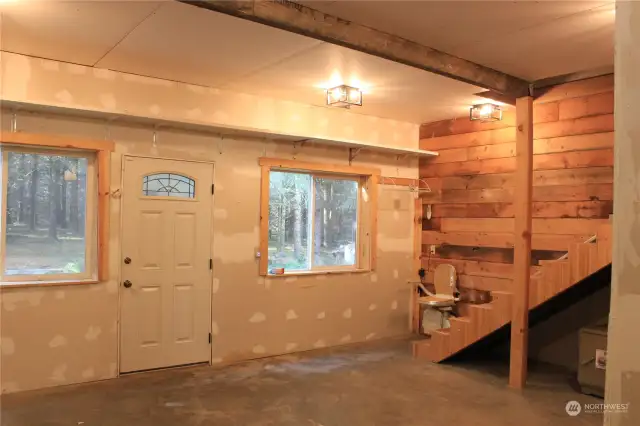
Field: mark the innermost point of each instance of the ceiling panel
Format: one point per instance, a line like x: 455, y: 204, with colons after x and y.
x: 73, y: 31
x: 185, y: 43
x: 496, y: 33
x: 175, y: 41
x: 445, y: 24
x: 391, y: 90
x: 576, y: 43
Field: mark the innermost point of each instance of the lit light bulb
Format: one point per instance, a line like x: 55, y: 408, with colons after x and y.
x: 485, y: 111
x: 354, y: 96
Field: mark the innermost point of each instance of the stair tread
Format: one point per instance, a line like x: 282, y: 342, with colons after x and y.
x: 486, y: 274
x: 480, y: 320
x: 482, y: 306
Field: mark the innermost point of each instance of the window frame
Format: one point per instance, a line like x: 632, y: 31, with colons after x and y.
x: 97, y: 208
x: 367, y: 179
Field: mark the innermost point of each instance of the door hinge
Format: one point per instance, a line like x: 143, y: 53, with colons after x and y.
x: 210, y: 263
x: 209, y: 338
x: 213, y: 188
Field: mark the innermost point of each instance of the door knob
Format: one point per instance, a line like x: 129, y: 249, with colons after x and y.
x: 127, y: 260
x: 127, y: 284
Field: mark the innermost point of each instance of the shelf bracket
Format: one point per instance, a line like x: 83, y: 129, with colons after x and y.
x: 353, y: 153
x: 298, y: 144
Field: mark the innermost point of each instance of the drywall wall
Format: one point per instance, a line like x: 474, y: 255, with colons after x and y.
x: 68, y: 334
x: 51, y: 83
x: 623, y: 369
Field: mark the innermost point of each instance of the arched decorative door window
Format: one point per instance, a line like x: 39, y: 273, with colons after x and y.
x: 168, y: 185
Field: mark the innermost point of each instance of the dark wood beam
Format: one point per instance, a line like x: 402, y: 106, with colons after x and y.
x: 522, y: 242
x: 539, y: 85
x: 309, y: 22
x: 498, y: 97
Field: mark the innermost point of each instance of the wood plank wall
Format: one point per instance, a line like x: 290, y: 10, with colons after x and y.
x: 472, y: 182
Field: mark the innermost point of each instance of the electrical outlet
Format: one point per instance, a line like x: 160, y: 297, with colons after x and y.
x: 433, y: 249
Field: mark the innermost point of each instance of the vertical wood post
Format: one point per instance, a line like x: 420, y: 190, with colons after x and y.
x: 417, y: 264
x: 522, y: 242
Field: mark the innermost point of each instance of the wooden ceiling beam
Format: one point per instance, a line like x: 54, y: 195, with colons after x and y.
x: 497, y: 97
x: 299, y: 19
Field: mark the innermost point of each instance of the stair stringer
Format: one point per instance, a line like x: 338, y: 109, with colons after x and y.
x: 552, y: 278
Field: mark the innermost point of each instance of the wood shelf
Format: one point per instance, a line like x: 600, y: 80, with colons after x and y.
x: 220, y: 130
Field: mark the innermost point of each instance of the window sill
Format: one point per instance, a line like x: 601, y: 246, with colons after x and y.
x: 320, y: 272
x: 23, y: 284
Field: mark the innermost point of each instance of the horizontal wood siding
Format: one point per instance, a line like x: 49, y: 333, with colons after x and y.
x: 472, y: 182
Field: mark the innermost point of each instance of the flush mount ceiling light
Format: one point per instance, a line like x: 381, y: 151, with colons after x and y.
x: 344, y: 96
x: 485, y: 112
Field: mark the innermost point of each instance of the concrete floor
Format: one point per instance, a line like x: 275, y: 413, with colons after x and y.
x: 374, y: 384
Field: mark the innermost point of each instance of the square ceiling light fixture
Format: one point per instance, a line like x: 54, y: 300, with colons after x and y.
x: 485, y: 112
x: 344, y: 96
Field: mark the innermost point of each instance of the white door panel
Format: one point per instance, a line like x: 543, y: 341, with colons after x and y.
x: 165, y: 315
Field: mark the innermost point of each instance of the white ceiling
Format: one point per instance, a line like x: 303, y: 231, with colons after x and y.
x: 170, y: 40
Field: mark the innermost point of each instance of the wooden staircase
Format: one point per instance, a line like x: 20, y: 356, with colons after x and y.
x: 553, y: 277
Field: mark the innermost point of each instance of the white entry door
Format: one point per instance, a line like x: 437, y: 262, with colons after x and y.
x: 166, y: 251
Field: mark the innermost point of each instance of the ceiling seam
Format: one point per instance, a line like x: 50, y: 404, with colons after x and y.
x: 273, y: 64
x: 153, y: 12
x: 45, y: 58
x: 111, y: 69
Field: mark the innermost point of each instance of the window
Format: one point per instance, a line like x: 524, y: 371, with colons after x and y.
x: 317, y: 221
x: 168, y: 185
x: 49, y: 215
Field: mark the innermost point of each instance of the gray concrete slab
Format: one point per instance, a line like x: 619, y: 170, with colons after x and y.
x: 372, y: 384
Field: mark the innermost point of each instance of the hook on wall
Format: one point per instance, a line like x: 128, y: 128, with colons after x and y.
x: 220, y: 143
x: 400, y: 157
x: 14, y: 122
x: 298, y: 144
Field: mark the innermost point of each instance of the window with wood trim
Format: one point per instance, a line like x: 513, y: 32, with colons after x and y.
x: 49, y: 204
x: 318, y: 219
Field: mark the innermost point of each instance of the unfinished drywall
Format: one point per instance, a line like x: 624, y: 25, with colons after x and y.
x: 62, y: 335
x: 51, y: 83
x: 68, y: 334
x: 623, y: 370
